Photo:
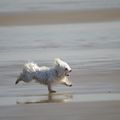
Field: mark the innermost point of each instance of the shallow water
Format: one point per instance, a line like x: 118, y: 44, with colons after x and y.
x: 57, y: 98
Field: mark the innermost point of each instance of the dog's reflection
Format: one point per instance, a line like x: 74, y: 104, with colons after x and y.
x: 46, y: 98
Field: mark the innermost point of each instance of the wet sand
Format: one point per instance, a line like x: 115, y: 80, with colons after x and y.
x: 58, y: 17
x: 93, y: 96
x: 78, y: 111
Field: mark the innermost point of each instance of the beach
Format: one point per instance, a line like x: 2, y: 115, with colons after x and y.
x: 93, y: 96
x: 58, y: 17
x: 87, y: 39
x: 79, y: 111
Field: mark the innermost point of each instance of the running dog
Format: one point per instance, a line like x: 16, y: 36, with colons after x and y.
x: 45, y: 75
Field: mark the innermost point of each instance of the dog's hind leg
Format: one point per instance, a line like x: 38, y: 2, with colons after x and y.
x: 17, y: 81
x: 50, y: 88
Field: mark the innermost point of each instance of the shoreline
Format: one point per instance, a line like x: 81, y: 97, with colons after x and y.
x: 108, y: 110
x: 58, y: 17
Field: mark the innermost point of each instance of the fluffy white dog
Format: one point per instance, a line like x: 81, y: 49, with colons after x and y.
x: 47, y: 76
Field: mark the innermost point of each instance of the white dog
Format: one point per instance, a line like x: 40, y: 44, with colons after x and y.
x: 47, y: 76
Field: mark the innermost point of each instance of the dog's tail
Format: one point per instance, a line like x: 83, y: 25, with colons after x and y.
x: 26, y: 75
x: 31, y: 67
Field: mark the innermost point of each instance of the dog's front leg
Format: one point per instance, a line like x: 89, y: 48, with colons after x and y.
x: 50, y: 88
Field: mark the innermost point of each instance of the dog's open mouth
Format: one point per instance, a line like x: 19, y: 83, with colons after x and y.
x: 67, y: 74
x: 69, y: 85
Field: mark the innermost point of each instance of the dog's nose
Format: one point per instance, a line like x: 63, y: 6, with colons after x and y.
x: 70, y: 71
x: 70, y: 85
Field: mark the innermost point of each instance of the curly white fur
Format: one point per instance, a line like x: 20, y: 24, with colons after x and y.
x: 45, y: 75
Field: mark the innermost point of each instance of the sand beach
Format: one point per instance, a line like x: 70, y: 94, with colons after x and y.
x: 58, y: 17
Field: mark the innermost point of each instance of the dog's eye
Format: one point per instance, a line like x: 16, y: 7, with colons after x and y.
x: 66, y: 69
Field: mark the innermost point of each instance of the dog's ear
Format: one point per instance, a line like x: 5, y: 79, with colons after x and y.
x: 57, y: 61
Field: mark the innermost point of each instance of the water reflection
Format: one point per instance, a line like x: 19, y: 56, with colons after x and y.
x: 45, y: 98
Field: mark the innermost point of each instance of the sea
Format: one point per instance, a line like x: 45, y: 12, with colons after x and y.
x: 36, y: 5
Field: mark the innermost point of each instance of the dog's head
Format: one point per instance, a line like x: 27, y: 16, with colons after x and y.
x: 62, y: 67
